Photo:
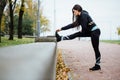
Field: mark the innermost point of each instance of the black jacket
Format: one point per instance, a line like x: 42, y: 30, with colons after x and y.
x: 84, y: 20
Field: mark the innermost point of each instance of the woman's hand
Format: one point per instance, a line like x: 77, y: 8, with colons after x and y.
x: 58, y: 30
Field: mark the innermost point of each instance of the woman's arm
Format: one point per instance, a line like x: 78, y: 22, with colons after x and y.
x: 72, y: 25
x: 67, y: 27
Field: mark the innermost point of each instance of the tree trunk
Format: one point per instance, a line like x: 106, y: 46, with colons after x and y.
x: 11, y: 26
x: 2, y: 6
x: 20, y: 20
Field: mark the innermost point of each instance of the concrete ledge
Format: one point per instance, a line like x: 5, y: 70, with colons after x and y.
x: 34, y: 61
x: 46, y: 39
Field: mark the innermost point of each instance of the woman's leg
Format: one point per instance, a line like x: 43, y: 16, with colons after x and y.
x: 69, y: 37
x: 95, y: 43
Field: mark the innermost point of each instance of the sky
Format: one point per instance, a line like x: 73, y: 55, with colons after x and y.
x: 105, y: 13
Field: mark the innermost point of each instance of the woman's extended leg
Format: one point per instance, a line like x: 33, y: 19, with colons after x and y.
x: 69, y: 37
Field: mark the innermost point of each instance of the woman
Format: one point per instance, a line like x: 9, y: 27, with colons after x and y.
x: 89, y: 29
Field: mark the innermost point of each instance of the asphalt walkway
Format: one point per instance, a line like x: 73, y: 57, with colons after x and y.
x: 79, y: 57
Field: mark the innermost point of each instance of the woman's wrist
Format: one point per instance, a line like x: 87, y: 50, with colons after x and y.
x: 58, y: 30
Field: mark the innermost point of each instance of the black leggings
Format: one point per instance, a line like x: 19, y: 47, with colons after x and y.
x: 94, y: 39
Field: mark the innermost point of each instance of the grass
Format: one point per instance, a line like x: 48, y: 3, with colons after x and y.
x: 111, y: 41
x: 16, y: 41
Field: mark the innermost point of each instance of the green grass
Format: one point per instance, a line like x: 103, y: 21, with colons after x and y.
x: 111, y: 41
x: 16, y: 41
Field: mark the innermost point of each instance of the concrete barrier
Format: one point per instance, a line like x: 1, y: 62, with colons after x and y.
x: 45, y: 39
x: 35, y: 61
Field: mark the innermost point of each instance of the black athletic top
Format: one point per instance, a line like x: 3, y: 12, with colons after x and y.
x: 84, y: 20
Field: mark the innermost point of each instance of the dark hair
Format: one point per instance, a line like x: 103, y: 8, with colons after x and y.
x: 78, y: 8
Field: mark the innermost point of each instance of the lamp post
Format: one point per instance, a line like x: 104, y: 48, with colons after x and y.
x: 54, y: 15
x: 38, y: 20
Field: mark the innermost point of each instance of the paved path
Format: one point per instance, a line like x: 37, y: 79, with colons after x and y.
x: 79, y: 56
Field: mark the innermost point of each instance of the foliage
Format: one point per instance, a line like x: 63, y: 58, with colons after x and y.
x: 15, y: 24
x: 32, y: 12
x: 27, y: 25
x: 61, y: 69
x: 2, y: 6
x: 118, y: 30
x: 44, y: 23
x: 3, y: 23
x: 29, y: 19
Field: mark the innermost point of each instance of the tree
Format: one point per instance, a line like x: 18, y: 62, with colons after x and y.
x: 44, y: 23
x: 32, y: 11
x: 118, y: 30
x: 29, y: 18
x: 20, y: 19
x: 11, y: 24
x: 2, y: 6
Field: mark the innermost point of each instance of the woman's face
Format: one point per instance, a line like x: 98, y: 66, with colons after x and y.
x: 76, y: 12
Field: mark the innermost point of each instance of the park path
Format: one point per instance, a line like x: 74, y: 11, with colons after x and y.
x: 79, y: 57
